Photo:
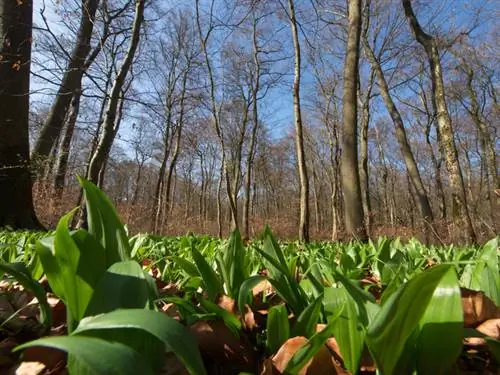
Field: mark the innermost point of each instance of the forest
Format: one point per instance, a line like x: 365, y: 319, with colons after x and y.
x: 322, y: 121
x: 249, y: 187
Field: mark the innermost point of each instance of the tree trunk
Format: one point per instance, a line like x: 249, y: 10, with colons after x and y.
x: 487, y: 145
x: 255, y: 125
x: 16, y: 207
x: 62, y: 163
x: 216, y: 120
x: 459, y: 197
x: 71, y: 82
x: 404, y: 145
x: 353, y: 207
x: 109, y: 128
x: 299, y: 136
x: 363, y: 172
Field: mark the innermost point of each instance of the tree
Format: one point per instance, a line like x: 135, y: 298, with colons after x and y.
x: 70, y: 84
x: 404, y: 145
x: 353, y: 207
x: 431, y: 46
x: 299, y: 133
x: 116, y: 97
x: 16, y: 208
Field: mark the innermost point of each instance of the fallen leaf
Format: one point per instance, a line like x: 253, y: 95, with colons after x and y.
x: 221, y: 347
x: 322, y: 363
x: 477, y: 307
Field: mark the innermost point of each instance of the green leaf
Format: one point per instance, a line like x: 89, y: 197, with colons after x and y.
x: 73, y: 264
x: 104, y: 224
x: 441, y: 328
x: 312, y: 347
x: 23, y: 276
x: 308, y: 319
x: 212, y: 283
x: 349, y: 329
x: 245, y: 290
x: 95, y: 356
x: 230, y: 320
x: 278, y: 328
x: 394, y: 334
x: 186, y: 265
x: 123, y: 285
x: 234, y: 264
x: 172, y: 333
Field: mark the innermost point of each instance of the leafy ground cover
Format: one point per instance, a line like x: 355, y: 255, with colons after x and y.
x: 99, y: 301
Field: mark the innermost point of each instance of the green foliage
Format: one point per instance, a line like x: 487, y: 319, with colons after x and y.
x: 414, y: 325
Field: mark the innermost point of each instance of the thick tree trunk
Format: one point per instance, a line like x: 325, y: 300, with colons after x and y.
x: 459, y: 198
x: 16, y: 206
x: 299, y: 133
x: 71, y: 82
x: 109, y: 126
x: 353, y: 207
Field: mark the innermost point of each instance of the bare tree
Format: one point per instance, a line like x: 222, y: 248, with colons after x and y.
x: 115, y: 98
x: 404, y: 145
x: 353, y: 207
x: 459, y: 198
x: 70, y: 84
x: 299, y: 133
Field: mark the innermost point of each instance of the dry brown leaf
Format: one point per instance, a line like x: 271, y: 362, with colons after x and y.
x: 490, y: 328
x: 171, y: 310
x: 322, y: 363
x: 218, y: 344
x: 50, y: 357
x: 28, y: 368
x: 228, y: 304
x: 477, y: 307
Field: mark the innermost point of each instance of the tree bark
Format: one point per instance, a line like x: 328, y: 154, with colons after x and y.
x: 363, y: 153
x: 353, y: 207
x: 404, y: 145
x: 16, y: 206
x: 459, y: 197
x: 299, y: 133
x: 109, y: 128
x: 71, y: 82
x: 255, y: 126
x: 62, y: 162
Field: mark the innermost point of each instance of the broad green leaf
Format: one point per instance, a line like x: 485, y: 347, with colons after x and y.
x: 123, y: 285
x: 393, y: 335
x: 93, y: 356
x: 234, y: 263
x: 278, y: 328
x: 172, y: 333
x: 441, y: 328
x: 230, y: 320
x: 246, y: 289
x: 349, y: 329
x: 73, y: 264
x: 104, y: 224
x: 23, y: 277
x: 186, y: 265
x: 312, y: 347
x: 211, y: 282
x: 308, y: 319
